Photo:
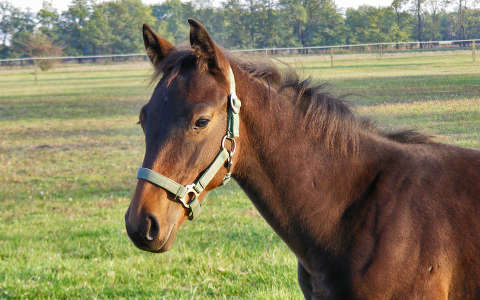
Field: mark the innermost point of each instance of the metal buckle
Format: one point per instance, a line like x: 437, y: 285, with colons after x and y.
x: 190, y: 190
x: 234, y: 145
x: 192, y: 209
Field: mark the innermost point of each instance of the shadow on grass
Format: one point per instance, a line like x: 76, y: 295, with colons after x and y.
x: 39, y: 109
x: 37, y: 133
x: 82, y: 93
x: 461, y: 121
x: 365, y: 66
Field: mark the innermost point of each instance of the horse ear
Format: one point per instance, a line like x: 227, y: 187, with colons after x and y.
x: 157, y: 47
x: 206, y: 49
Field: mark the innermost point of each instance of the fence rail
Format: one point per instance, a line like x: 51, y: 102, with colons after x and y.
x: 419, y: 44
x: 72, y: 57
x: 380, y: 48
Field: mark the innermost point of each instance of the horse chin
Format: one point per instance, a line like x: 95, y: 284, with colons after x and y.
x: 158, y: 245
x: 166, y: 244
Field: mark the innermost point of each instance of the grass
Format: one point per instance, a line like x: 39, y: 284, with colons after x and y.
x: 69, y: 150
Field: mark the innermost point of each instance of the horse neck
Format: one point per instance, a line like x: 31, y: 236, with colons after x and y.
x: 299, y: 188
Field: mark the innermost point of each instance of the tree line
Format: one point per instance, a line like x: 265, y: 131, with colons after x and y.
x: 90, y: 28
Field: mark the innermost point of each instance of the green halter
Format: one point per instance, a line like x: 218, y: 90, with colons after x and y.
x: 181, y: 192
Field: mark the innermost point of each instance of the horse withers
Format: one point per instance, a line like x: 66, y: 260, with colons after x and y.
x: 369, y: 214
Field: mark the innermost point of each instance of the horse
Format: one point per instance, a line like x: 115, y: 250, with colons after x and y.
x: 369, y: 214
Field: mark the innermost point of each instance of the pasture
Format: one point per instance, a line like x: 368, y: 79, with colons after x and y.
x: 70, y: 148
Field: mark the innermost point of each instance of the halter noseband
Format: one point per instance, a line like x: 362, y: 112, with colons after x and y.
x: 181, y: 192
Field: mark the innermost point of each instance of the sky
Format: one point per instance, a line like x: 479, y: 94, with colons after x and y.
x: 62, y: 5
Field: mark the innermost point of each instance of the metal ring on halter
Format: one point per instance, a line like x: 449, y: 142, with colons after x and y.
x: 234, y: 145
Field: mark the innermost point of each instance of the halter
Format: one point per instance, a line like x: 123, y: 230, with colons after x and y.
x: 182, y: 192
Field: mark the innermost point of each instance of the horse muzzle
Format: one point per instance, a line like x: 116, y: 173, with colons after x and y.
x: 148, y: 235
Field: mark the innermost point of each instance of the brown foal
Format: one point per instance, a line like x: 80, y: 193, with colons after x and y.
x: 369, y: 214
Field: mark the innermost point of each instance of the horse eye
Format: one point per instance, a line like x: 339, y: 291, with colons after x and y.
x: 201, y: 123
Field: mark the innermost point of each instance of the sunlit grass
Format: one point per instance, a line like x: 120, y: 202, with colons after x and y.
x: 70, y: 147
x: 451, y: 121
x: 394, y: 65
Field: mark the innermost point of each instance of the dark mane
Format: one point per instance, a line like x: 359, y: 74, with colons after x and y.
x: 321, y: 113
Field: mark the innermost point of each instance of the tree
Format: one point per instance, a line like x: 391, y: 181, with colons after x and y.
x: 36, y: 44
x: 397, y: 6
x: 72, y: 28
x: 214, y: 19
x: 314, y: 22
x: 125, y: 19
x: 461, y: 19
x: 269, y: 24
x: 297, y: 18
x: 369, y: 24
x: 171, y: 20
x: 329, y: 25
x: 91, y: 27
x: 418, y: 11
x: 432, y: 20
x: 237, y: 34
x: 47, y: 20
x: 109, y: 27
x: 98, y: 31
x: 6, y: 26
x: 13, y: 22
x: 472, y: 24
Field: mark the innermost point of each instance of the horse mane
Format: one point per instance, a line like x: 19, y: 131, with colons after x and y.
x: 318, y: 111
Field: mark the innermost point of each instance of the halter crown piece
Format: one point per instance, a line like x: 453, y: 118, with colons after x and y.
x: 182, y: 192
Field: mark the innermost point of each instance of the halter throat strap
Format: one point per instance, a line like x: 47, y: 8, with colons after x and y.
x: 224, y: 157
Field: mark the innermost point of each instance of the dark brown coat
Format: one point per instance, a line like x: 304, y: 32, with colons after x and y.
x: 369, y: 214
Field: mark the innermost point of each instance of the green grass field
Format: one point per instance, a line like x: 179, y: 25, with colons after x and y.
x: 70, y: 148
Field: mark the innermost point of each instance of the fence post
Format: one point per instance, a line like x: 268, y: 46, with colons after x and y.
x: 474, y: 55
x: 331, y: 57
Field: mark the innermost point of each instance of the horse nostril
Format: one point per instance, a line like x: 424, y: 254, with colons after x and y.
x: 152, y: 228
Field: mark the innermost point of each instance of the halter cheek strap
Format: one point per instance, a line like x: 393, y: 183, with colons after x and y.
x: 184, y: 192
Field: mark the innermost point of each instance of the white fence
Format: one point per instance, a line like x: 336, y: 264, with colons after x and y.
x: 378, y: 48
x: 80, y: 59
